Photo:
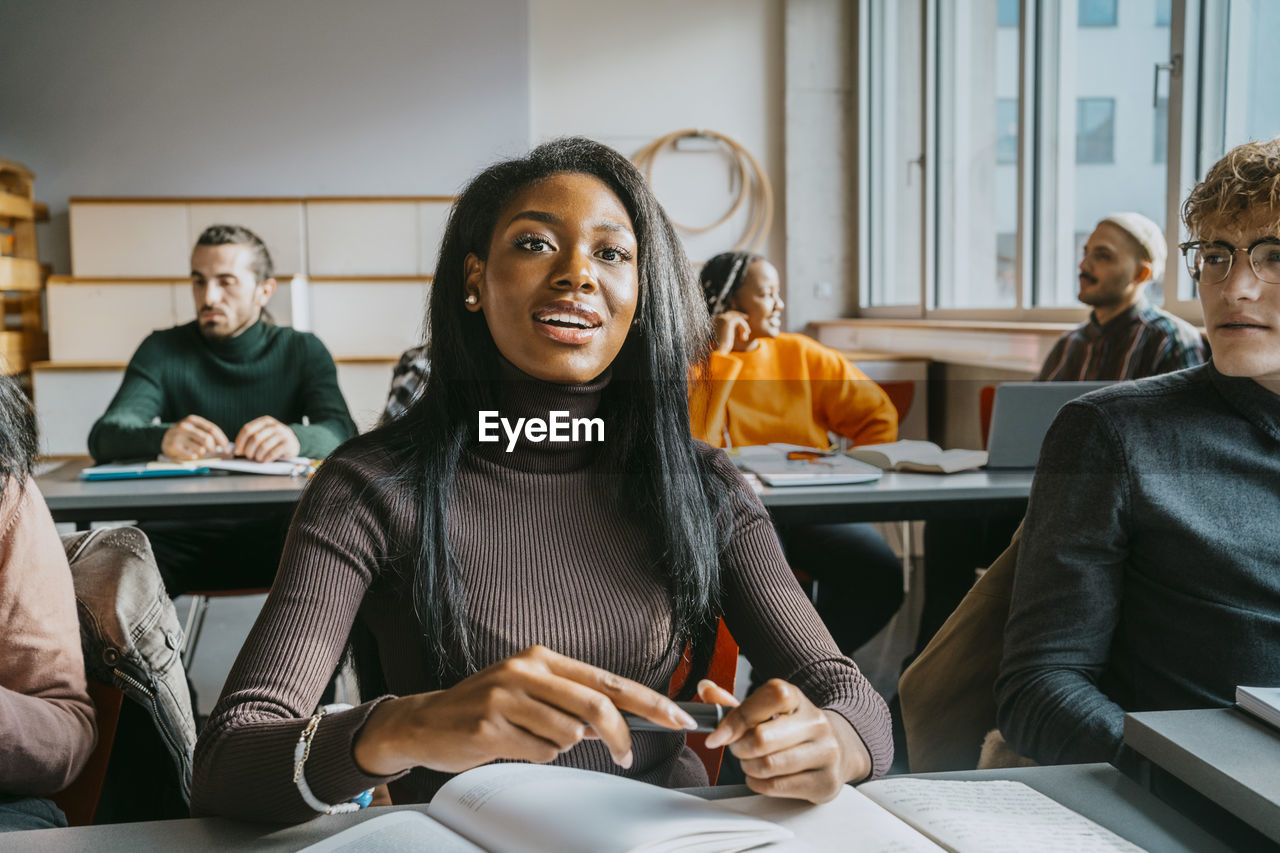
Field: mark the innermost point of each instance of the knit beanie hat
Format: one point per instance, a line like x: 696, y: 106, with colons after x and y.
x: 1148, y: 235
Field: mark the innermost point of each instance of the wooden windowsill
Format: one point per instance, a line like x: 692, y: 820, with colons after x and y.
x: 867, y: 355
x: 1007, y: 326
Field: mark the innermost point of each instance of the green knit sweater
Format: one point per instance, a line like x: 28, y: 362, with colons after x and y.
x: 265, y: 370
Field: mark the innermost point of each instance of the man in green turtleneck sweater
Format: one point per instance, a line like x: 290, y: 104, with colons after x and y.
x: 227, y: 383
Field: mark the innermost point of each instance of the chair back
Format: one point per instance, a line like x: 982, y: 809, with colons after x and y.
x: 986, y: 399
x: 723, y: 670
x: 947, y: 694
x: 79, y: 800
x: 901, y: 393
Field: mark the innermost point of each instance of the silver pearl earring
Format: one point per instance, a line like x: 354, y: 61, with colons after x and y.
x: 472, y: 299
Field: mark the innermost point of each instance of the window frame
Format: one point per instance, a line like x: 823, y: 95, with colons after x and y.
x: 1039, y: 157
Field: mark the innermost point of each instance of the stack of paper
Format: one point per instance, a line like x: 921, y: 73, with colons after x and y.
x: 1262, y: 702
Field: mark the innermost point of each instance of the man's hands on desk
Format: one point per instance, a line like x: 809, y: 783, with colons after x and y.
x: 263, y: 439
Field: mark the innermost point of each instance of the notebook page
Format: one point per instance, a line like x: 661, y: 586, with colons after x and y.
x: 528, y: 807
x: 992, y: 817
x: 395, y: 832
x: 850, y: 822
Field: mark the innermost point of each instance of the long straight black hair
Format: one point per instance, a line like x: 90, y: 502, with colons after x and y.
x: 645, y: 403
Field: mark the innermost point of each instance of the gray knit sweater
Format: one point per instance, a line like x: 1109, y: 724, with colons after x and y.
x: 1149, y: 572
x: 551, y: 551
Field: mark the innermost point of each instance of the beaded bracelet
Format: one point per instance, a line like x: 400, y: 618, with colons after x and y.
x: 300, y: 754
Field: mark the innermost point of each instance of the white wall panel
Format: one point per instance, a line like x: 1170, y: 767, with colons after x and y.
x: 432, y: 217
x: 67, y: 404
x: 365, y: 386
x: 369, y: 318
x: 362, y: 238
x: 105, y: 322
x: 131, y: 240
x: 279, y: 224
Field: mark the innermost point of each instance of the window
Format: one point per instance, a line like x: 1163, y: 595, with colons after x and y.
x: 1160, y: 132
x: 1006, y: 131
x: 1097, y: 13
x: 1252, y: 71
x: 891, y: 211
x: 1095, y: 130
x: 977, y: 179
x: 1035, y: 120
x: 1007, y: 13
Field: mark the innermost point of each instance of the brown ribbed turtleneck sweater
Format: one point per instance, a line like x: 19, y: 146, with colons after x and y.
x: 551, y: 552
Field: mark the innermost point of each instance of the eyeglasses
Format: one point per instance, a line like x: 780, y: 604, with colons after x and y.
x: 1210, y: 263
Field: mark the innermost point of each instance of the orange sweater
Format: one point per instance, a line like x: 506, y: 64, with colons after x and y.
x: 790, y: 389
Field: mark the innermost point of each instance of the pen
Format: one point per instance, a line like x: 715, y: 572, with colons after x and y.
x: 706, y: 715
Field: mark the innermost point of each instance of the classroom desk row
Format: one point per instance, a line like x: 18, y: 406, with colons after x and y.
x: 897, y: 496
x: 1224, y: 758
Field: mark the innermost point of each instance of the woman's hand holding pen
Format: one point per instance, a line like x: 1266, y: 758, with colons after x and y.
x: 531, y: 707
x: 788, y: 747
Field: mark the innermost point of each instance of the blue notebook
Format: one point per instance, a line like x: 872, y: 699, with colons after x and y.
x: 142, y: 470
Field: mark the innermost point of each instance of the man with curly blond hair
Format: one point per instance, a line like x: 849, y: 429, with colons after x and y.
x: 1148, y: 576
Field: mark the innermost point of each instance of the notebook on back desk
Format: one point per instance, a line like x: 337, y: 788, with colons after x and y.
x: 1021, y: 416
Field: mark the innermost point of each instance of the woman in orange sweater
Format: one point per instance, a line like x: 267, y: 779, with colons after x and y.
x: 770, y: 386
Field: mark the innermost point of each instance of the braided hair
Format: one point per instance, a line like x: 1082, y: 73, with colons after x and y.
x: 722, y: 276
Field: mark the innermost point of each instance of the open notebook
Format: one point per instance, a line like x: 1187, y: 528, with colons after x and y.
x: 529, y: 807
x: 792, y: 465
x: 292, y: 467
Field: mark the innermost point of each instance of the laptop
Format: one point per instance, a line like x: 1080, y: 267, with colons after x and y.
x: 1021, y: 416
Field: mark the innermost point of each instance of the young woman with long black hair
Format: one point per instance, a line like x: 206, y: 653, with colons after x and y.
x: 510, y: 597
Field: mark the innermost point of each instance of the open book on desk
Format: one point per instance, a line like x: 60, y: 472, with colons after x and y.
x: 922, y: 456
x: 164, y: 467
x: 534, y: 807
x: 522, y: 807
x: 792, y: 465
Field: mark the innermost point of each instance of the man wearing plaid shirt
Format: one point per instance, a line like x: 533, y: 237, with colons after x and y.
x: 407, y: 382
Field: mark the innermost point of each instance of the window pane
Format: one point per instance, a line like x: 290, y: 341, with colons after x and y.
x: 894, y: 271
x: 1101, y: 142
x: 1164, y: 11
x: 1160, y: 148
x: 1007, y: 13
x: 1007, y: 131
x: 1253, y: 72
x: 1097, y: 13
x: 1095, y: 130
x: 977, y: 154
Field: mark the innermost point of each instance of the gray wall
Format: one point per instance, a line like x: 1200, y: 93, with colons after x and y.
x: 269, y: 97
